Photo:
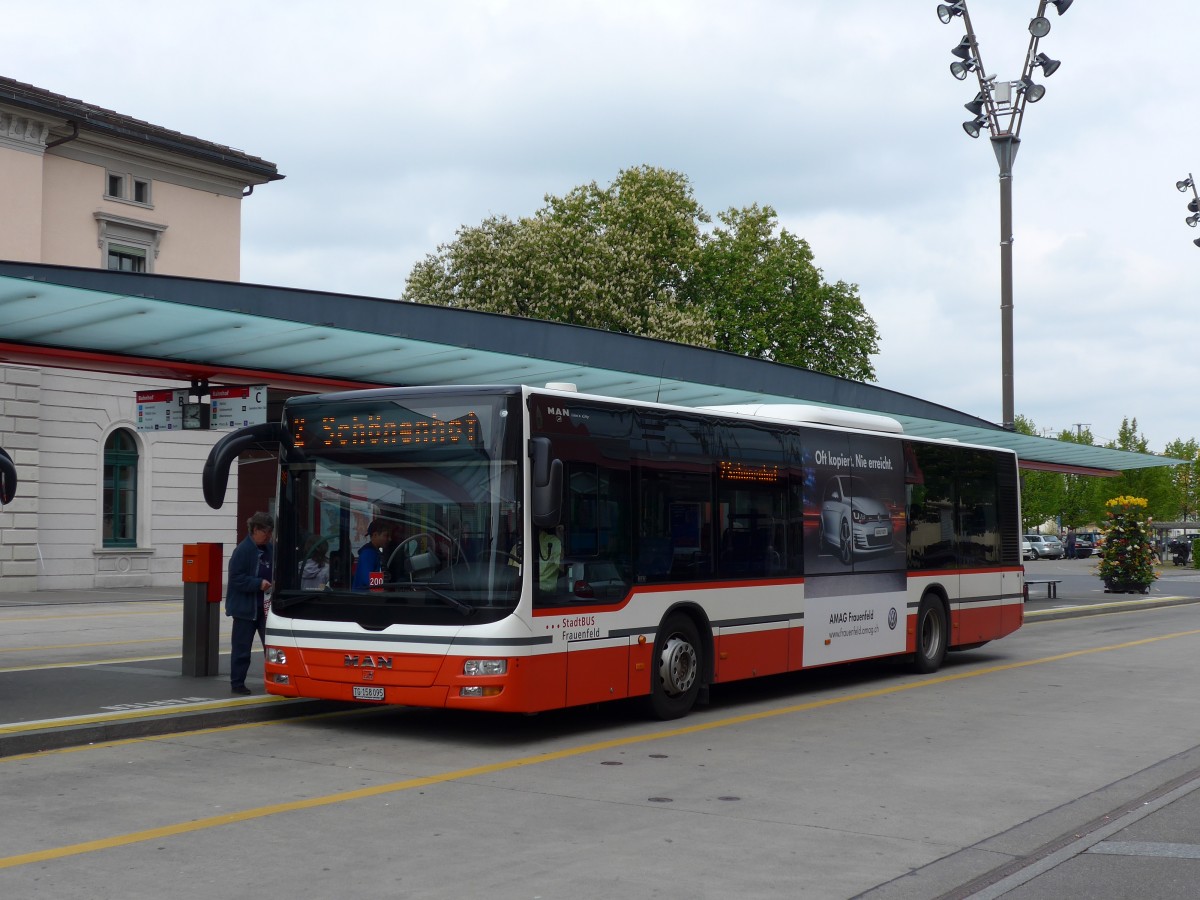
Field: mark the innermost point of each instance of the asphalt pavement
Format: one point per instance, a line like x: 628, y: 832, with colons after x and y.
x: 55, y: 700
x: 59, y: 699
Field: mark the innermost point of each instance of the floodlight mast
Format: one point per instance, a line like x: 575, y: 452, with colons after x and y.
x: 1004, y: 115
x: 1193, y: 205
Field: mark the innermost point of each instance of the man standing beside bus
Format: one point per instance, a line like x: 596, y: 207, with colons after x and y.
x: 249, y: 580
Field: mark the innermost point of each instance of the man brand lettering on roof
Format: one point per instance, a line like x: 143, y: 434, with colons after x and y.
x: 367, y: 662
x: 561, y: 411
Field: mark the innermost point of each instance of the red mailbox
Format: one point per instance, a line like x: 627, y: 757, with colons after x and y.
x: 202, y: 565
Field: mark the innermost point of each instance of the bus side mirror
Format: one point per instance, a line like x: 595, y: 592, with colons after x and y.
x: 547, y: 484
x: 215, y: 477
x: 8, y: 478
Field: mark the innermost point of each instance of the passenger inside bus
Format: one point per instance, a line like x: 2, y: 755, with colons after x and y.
x: 550, y: 566
x: 370, y: 555
x: 314, y: 572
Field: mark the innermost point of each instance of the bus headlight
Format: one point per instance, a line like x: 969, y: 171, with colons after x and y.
x: 475, y: 667
x: 277, y: 656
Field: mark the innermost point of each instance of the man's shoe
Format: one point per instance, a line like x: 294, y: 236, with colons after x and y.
x: 241, y: 689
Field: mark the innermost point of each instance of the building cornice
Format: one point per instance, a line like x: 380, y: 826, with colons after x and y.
x: 39, y: 104
x: 20, y: 131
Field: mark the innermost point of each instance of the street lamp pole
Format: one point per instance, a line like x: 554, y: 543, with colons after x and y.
x: 1006, y: 146
x: 1000, y: 108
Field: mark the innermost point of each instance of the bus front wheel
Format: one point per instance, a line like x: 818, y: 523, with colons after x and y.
x: 931, y: 635
x: 678, y: 662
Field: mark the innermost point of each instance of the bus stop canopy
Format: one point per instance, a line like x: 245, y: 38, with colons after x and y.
x: 235, y: 333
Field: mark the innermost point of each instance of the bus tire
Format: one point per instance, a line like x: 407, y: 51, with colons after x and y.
x: 678, y: 666
x: 931, y: 635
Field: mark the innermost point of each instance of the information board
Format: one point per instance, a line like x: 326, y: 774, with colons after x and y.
x: 237, y: 407
x: 160, y: 410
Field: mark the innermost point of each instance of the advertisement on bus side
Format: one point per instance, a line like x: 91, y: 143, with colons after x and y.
x: 854, y: 561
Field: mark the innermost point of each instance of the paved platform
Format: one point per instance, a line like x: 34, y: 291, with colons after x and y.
x: 128, y: 682
x: 99, y: 665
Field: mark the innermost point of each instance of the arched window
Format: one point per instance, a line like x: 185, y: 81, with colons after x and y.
x: 120, y: 489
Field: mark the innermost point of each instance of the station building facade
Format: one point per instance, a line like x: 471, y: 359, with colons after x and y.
x: 102, y: 504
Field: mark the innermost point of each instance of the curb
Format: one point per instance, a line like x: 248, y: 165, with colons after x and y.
x: 1100, y: 609
x: 57, y: 734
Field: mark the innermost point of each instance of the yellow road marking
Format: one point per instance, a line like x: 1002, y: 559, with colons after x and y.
x: 262, y: 812
x: 93, y: 662
x: 139, y: 713
x: 171, y: 607
x: 158, y: 640
x: 193, y: 732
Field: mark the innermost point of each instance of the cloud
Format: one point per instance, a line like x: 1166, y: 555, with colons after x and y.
x: 398, y: 123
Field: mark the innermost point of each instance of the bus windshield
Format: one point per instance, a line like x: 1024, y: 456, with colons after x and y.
x: 399, y: 509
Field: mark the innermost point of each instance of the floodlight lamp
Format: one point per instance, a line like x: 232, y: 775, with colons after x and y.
x: 1196, y: 242
x: 1194, y: 206
x: 1049, y: 66
x: 1183, y: 185
x: 963, y: 50
x: 973, y: 127
x: 1062, y: 5
x: 960, y: 69
x: 1033, y: 92
x: 1039, y: 27
x: 975, y: 107
x: 947, y: 11
x: 1193, y: 220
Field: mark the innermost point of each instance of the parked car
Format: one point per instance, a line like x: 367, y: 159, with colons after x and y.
x: 1027, y: 551
x: 1083, y: 547
x: 1046, y: 546
x: 595, y: 579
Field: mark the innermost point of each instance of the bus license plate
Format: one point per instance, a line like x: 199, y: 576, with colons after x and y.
x: 368, y: 693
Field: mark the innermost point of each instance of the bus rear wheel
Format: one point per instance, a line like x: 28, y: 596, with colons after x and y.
x: 678, y: 663
x: 931, y: 635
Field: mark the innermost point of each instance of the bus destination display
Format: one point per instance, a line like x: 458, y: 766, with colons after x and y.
x: 346, y: 431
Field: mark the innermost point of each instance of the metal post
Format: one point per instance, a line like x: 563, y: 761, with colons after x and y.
x: 201, y: 632
x: 201, y: 609
x: 1005, y: 146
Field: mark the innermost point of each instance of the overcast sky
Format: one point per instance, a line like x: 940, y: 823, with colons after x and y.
x: 396, y: 123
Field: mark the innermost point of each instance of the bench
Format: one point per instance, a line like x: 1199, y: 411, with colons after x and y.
x: 1050, y: 583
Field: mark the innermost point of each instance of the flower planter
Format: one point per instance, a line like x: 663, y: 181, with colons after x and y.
x: 1127, y: 560
x: 1125, y: 587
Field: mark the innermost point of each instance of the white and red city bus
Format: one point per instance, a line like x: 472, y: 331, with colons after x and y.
x: 548, y: 548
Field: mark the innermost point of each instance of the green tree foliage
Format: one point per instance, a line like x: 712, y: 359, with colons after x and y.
x: 635, y: 257
x: 1185, y: 479
x: 1082, y: 501
x: 1041, y: 492
x: 768, y: 300
x: 1154, y: 484
x: 612, y: 258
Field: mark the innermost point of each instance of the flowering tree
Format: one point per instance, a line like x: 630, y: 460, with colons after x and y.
x: 638, y: 257
x: 1125, y: 561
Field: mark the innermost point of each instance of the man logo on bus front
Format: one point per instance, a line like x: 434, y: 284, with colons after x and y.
x: 892, y: 618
